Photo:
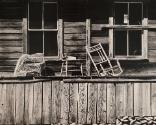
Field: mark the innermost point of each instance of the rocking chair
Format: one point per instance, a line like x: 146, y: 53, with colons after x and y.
x: 103, y: 65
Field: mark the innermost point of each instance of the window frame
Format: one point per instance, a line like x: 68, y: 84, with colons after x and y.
x: 59, y: 24
x: 127, y: 27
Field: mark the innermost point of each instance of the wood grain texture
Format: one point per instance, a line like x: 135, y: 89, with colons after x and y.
x: 37, y: 103
x: 29, y: 96
x: 75, y: 36
x: 153, y: 99
x: 82, y: 104
x: 19, y: 103
x: 111, y: 103
x: 101, y: 103
x: 56, y: 102
x: 10, y: 104
x: 65, y: 103
x: 92, y: 103
x: 142, y: 100
x: 73, y: 115
x: 47, y: 102
x: 3, y: 104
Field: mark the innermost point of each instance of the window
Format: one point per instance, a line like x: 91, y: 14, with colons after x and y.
x: 43, y: 28
x: 128, y: 32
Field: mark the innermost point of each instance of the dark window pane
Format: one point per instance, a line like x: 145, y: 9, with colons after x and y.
x: 35, y: 15
x: 50, y: 44
x: 50, y: 16
x: 135, y: 14
x: 121, y: 13
x: 35, y: 42
x: 120, y: 43
x: 135, y: 43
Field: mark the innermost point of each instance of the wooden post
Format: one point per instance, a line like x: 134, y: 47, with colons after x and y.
x: 24, y: 29
x: 60, y: 38
x: 88, y: 41
x: 111, y: 38
x: 145, y: 39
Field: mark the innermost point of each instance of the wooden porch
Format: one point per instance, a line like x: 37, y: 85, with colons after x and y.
x: 58, y: 100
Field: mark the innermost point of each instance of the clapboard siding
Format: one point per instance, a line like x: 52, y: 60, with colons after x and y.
x: 75, y: 40
x: 11, y: 46
x: 79, y: 101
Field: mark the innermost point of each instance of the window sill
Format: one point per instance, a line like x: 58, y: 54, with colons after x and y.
x: 130, y: 58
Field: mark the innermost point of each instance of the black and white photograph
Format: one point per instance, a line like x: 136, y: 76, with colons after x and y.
x: 77, y: 62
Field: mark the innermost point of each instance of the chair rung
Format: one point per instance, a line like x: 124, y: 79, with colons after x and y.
x: 101, y: 62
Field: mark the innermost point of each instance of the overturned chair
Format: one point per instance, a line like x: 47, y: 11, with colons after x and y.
x: 29, y: 65
x: 103, y: 65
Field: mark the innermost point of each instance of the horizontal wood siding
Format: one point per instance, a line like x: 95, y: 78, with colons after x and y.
x: 75, y: 40
x: 77, y: 101
x: 11, y: 46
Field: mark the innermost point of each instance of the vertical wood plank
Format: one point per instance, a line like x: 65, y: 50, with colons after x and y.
x: 111, y: 38
x: 101, y: 104
x: 142, y: 100
x: 153, y: 98
x: 47, y: 100
x: 56, y: 102
x: 65, y: 103
x: 60, y: 37
x: 82, y: 103
x: 124, y: 99
x: 88, y: 41
x: 28, y: 112
x: 111, y: 116
x: 92, y: 101
x: 130, y: 99
x: 19, y: 103
x: 73, y: 117
x: 37, y: 103
x: 24, y: 29
x: 2, y: 103
x: 10, y: 104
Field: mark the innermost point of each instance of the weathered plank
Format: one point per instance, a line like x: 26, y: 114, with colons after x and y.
x: 152, y: 55
x: 11, y: 43
x: 65, y: 104
x: 9, y: 30
x: 47, y: 102
x: 130, y: 98
x: 82, y: 103
x: 142, y: 100
x: 101, y: 104
x: 153, y: 99
x: 19, y: 103
x: 111, y: 116
x: 10, y: 104
x: 56, y: 102
x: 92, y: 103
x: 75, y: 30
x: 74, y: 49
x: 74, y: 36
x: 73, y: 117
x: 11, y: 37
x: 29, y: 96
x: 3, y: 103
x: 10, y: 55
x: 74, y: 24
x: 37, y: 103
x: 102, y: 40
x: 74, y: 42
x: 11, y: 49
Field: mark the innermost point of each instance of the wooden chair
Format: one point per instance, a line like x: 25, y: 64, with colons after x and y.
x: 103, y: 65
x: 71, y: 60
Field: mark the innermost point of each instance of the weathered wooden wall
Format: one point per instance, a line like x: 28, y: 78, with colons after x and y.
x: 81, y: 101
x: 11, y: 45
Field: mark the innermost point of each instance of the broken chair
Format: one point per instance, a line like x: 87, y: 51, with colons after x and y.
x: 103, y: 65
